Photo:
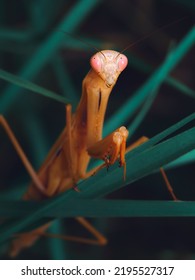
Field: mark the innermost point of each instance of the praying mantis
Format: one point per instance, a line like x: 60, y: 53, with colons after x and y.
x: 80, y: 140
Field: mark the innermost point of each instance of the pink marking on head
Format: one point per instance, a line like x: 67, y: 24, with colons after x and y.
x: 95, y: 62
x: 122, y: 63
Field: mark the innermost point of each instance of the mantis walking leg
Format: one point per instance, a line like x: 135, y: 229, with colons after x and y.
x: 22, y: 155
x: 27, y: 239
x: 165, y: 178
x: 99, y: 238
x: 162, y: 171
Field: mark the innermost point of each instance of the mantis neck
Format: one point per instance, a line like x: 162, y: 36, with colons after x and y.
x: 92, y: 107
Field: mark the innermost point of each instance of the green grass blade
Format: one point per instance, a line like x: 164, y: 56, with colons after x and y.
x: 188, y: 158
x: 141, y: 115
x: 103, y: 208
x: 181, y: 87
x: 65, y: 81
x: 164, y: 134
x: 16, y: 35
x: 13, y: 79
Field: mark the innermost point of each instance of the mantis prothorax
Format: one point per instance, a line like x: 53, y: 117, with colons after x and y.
x: 80, y: 140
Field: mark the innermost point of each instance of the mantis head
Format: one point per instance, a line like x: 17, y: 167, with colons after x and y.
x: 108, y: 65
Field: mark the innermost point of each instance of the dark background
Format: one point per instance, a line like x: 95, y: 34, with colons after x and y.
x: 37, y: 121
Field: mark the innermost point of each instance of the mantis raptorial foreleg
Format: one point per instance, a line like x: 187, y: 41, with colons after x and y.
x: 107, y: 142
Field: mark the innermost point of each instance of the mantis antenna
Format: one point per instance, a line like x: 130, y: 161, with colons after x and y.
x: 151, y: 34
x: 82, y: 41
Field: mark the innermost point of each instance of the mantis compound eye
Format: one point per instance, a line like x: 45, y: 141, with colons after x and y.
x: 122, y: 62
x: 95, y: 62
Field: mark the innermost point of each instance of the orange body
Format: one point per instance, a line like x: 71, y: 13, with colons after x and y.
x: 81, y: 139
